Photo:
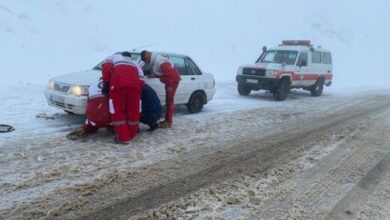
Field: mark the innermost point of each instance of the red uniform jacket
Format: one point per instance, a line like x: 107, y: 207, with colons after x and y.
x: 121, y: 71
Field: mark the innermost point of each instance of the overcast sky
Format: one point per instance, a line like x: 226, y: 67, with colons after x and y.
x: 53, y: 37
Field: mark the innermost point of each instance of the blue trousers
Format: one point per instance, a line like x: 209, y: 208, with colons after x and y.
x: 150, y: 118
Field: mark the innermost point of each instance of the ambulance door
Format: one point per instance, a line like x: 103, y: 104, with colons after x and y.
x: 302, y: 68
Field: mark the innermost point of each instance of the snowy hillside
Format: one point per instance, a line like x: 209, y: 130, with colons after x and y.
x: 43, y: 38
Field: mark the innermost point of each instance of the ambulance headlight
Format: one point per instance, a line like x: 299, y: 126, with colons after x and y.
x: 271, y: 73
x: 79, y: 90
x: 50, y: 84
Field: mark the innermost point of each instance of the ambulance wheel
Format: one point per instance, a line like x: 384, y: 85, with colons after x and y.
x: 282, y: 89
x: 242, y: 90
x: 196, y: 102
x: 316, y: 89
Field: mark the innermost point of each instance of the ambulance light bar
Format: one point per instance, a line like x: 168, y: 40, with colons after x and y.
x: 296, y: 42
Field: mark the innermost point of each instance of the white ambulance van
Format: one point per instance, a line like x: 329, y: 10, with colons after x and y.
x: 293, y: 64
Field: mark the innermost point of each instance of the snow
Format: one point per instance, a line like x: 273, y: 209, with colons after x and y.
x: 41, y: 39
x: 33, y: 118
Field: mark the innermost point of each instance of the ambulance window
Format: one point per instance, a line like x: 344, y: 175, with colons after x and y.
x: 326, y: 59
x: 179, y: 64
x: 302, y: 59
x: 316, y: 57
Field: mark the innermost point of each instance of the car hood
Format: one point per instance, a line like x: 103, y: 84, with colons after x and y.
x: 269, y: 66
x: 84, y: 78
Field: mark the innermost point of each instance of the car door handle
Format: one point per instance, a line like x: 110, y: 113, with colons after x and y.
x: 192, y: 78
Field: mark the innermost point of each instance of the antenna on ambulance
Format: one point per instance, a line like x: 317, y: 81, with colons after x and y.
x: 147, y: 45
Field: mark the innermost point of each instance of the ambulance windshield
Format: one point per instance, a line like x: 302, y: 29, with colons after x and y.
x: 280, y: 56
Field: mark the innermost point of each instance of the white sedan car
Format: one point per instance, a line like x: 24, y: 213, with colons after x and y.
x: 69, y: 92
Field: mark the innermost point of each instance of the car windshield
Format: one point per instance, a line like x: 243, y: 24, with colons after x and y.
x: 280, y: 56
x: 134, y: 56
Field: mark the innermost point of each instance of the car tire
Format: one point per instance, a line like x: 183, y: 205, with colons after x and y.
x: 282, y: 90
x: 196, y: 102
x: 243, y: 90
x: 317, y: 88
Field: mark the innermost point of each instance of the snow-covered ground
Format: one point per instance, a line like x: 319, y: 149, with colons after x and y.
x: 25, y: 108
x: 44, y: 174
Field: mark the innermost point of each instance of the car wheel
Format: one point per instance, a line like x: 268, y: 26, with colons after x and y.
x: 242, y: 90
x: 196, y: 103
x: 317, y: 88
x: 282, y: 89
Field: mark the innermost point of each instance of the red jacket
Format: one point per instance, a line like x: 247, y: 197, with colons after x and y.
x: 98, y: 114
x: 164, y: 69
x: 121, y: 71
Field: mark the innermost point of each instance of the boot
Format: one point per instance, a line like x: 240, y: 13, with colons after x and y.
x: 77, y: 134
x: 153, y: 127
x: 165, y: 124
x: 117, y: 141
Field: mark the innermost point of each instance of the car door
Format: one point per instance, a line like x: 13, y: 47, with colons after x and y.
x: 302, y: 68
x: 189, y: 80
x: 315, y: 66
x: 155, y: 83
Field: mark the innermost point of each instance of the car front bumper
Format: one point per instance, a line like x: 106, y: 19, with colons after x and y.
x: 67, y: 102
x: 257, y: 82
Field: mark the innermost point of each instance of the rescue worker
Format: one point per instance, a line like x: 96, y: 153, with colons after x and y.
x: 98, y: 115
x: 162, y: 68
x: 151, y: 108
x: 122, y: 83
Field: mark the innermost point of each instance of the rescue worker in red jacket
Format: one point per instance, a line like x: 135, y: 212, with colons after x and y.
x: 98, y: 115
x: 162, y: 68
x: 121, y: 81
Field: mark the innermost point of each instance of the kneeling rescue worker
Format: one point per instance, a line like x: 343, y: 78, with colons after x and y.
x: 98, y: 115
x: 162, y: 68
x: 122, y: 83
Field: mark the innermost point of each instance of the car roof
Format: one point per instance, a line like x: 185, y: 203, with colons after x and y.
x: 160, y: 52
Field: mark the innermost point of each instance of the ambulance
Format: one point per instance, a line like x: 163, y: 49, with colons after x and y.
x: 294, y: 64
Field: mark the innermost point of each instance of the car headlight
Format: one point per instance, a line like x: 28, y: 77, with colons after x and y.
x: 273, y: 73
x: 78, y: 90
x: 239, y: 71
x: 50, y: 84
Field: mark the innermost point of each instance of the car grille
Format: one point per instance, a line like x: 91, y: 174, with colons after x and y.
x: 61, y: 87
x: 60, y: 104
x: 253, y: 72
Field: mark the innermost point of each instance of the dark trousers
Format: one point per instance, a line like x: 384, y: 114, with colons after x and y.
x: 150, y: 118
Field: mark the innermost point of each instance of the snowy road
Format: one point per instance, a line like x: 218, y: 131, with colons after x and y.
x: 253, y: 158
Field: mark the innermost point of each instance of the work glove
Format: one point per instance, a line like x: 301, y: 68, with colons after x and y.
x: 106, y: 88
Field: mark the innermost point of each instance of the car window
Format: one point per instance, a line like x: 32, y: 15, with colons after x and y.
x: 326, y: 58
x: 302, y: 59
x: 179, y: 64
x: 315, y: 57
x: 193, y: 67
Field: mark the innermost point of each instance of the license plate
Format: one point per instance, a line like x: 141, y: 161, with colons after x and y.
x: 251, y: 81
x: 57, y: 98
